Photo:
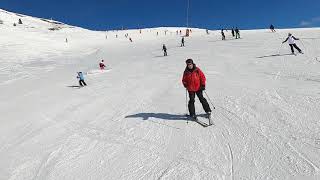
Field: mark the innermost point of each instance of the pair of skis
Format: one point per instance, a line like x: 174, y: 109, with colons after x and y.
x: 206, y: 117
x: 297, y: 53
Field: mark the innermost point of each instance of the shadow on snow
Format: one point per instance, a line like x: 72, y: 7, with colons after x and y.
x: 164, y: 116
x: 274, y: 55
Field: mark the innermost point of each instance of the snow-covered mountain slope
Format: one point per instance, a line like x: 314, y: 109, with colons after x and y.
x: 129, y: 122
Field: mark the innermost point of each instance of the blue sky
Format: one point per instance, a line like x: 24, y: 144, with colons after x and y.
x: 114, y: 14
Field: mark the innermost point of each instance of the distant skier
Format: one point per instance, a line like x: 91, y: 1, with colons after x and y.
x: 232, y: 32
x: 291, y: 40
x: 195, y: 82
x: 130, y: 39
x: 272, y: 28
x: 164, y: 48
x: 223, y: 36
x: 182, y: 42
x: 237, y: 33
x: 207, y: 31
x: 102, y: 65
x: 81, y: 79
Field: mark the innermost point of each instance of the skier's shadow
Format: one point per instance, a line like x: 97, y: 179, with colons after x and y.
x: 159, y: 56
x: 273, y: 55
x: 163, y: 116
x: 74, y: 86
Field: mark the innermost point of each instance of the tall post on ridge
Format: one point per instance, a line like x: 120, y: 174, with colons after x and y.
x: 188, y: 7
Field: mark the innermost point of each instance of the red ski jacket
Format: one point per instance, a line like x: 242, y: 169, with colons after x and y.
x: 193, y: 79
x: 102, y: 65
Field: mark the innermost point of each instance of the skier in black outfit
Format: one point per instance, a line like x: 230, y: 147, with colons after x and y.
x: 223, y: 36
x: 291, y: 40
x: 272, y: 28
x: 164, y: 48
x: 232, y: 32
x: 237, y: 33
x: 182, y: 42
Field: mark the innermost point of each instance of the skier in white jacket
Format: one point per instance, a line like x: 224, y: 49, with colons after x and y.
x: 291, y: 40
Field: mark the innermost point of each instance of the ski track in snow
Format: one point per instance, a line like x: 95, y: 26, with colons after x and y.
x: 129, y: 122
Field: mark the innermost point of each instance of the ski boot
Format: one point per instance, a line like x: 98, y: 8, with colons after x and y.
x: 208, y: 116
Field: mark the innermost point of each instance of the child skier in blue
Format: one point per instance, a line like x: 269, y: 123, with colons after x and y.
x: 81, y: 79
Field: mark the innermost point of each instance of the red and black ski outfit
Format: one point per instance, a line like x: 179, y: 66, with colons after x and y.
x: 195, y: 82
x: 102, y: 66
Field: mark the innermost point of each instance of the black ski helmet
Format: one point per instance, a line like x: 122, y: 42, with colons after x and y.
x: 189, y: 61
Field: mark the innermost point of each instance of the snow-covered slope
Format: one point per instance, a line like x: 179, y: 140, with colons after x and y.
x: 129, y: 123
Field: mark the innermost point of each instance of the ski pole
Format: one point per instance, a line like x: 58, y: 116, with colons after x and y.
x: 209, y: 99
x: 187, y: 106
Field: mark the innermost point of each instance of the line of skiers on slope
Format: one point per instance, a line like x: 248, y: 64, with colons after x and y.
x: 290, y: 39
x: 194, y: 81
x: 164, y: 47
x: 235, y: 33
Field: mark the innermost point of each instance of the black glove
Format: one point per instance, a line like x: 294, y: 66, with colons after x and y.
x: 202, y: 87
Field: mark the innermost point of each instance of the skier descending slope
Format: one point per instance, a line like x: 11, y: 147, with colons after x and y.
x: 291, y: 40
x: 182, y: 42
x: 222, y: 34
x: 237, y: 33
x: 164, y: 48
x: 232, y: 32
x: 102, y: 65
x: 272, y: 28
x: 195, y: 82
x: 81, y: 79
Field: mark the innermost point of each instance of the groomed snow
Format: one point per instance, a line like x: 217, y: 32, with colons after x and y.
x: 129, y: 123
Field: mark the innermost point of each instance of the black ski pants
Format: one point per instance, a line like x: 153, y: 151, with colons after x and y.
x: 294, y: 46
x: 165, y: 53
x: 203, y: 101
x: 81, y: 83
x: 237, y: 35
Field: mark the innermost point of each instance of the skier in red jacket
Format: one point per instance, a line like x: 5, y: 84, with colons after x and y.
x: 101, y: 65
x: 195, y: 82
